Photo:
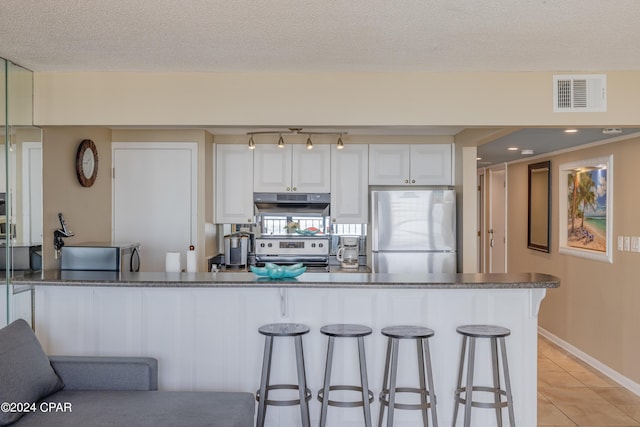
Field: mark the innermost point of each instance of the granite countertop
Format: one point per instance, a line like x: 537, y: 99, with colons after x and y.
x: 306, y: 280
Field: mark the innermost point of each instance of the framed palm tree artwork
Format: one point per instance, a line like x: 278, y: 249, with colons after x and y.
x: 586, y: 204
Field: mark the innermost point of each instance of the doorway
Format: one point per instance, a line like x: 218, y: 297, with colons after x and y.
x: 497, y: 228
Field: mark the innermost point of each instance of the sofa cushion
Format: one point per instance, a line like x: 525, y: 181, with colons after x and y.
x: 25, y: 372
x: 143, y: 409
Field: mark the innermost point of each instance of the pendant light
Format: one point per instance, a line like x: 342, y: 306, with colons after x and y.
x: 309, y: 143
x: 252, y: 144
x: 340, y: 144
x: 280, y: 142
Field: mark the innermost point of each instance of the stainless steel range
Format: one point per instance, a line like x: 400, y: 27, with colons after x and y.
x: 312, y: 251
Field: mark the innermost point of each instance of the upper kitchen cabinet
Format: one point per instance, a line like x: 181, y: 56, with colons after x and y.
x: 411, y: 164
x: 234, y: 184
x: 349, y: 181
x: 292, y: 168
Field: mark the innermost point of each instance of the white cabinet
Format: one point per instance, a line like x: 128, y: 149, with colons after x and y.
x: 349, y: 184
x: 234, y: 184
x: 292, y: 168
x: 411, y: 164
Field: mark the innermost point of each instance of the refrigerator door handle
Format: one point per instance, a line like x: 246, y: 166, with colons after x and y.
x: 374, y: 220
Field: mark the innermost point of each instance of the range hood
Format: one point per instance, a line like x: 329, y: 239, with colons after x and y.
x: 292, y: 204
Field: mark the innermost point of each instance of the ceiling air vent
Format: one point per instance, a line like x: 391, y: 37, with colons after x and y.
x: 580, y: 93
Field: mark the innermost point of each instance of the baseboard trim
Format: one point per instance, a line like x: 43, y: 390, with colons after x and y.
x: 616, y: 376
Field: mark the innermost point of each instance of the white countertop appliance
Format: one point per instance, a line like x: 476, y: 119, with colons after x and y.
x: 101, y: 256
x: 349, y: 251
x: 413, y: 231
x: 236, y: 250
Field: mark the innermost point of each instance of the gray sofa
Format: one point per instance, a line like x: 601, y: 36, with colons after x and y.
x: 84, y: 391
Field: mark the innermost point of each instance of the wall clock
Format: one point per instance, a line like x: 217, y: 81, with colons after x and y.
x: 87, y: 163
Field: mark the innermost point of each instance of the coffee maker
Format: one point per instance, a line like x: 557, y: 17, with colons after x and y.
x: 235, y: 250
x: 348, y: 251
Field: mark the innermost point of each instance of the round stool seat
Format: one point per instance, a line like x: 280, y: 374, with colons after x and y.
x: 407, y: 331
x: 346, y: 330
x: 483, y: 331
x: 283, y: 329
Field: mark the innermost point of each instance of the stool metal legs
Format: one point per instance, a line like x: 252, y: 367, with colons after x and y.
x: 366, y: 396
x: 264, y: 380
x: 303, y: 392
x: 366, y: 407
x: 470, y: 388
x: 389, y: 384
x: 302, y: 383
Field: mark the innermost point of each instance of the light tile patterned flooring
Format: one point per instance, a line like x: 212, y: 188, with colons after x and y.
x: 571, y: 393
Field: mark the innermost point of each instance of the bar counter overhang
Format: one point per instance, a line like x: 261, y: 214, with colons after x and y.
x: 203, y: 328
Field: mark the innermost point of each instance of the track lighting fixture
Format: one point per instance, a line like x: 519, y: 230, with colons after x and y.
x: 295, y: 131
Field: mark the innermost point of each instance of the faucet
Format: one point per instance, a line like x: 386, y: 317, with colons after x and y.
x: 58, y: 234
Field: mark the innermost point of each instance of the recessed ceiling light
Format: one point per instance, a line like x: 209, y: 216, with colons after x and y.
x: 526, y: 152
x: 512, y: 148
x: 570, y: 130
x: 478, y: 158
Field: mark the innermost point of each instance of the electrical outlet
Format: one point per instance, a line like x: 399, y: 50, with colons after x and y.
x: 627, y: 243
x: 635, y: 244
x: 621, y: 243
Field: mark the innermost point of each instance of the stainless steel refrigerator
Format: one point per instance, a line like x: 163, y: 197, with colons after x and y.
x: 413, y: 231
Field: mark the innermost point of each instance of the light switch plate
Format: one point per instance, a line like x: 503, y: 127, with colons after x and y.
x: 621, y: 243
x: 627, y: 243
x: 635, y: 244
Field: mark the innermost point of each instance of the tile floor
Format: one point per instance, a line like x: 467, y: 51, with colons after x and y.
x: 571, y: 393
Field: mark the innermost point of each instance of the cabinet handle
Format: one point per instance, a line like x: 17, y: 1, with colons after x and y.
x: 406, y: 181
x: 333, y: 220
x: 413, y: 181
x: 288, y: 188
x: 295, y: 189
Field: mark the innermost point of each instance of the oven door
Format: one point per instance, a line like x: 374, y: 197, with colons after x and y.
x: 313, y: 263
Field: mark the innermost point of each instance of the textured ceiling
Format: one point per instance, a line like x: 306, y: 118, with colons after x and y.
x: 331, y: 36
x: 320, y: 35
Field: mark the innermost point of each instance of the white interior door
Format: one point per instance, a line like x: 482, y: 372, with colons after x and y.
x: 155, y: 199
x: 496, y: 234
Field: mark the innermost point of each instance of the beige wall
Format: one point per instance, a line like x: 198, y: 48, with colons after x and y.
x: 596, y: 308
x: 350, y: 99
x: 87, y: 210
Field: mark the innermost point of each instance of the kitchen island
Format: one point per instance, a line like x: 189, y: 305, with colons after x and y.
x: 203, y: 328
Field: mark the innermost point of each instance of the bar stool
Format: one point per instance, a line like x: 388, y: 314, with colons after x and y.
x: 389, y: 389
x: 345, y: 331
x: 262, y: 395
x: 495, y: 334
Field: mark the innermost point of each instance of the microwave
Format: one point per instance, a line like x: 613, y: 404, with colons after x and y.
x: 99, y: 256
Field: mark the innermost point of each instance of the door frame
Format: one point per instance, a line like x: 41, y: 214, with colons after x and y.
x: 27, y: 190
x: 482, y: 215
x: 491, y: 207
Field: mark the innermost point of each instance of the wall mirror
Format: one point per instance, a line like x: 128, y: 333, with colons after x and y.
x: 20, y: 189
x: 539, y: 217
x: 20, y: 173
